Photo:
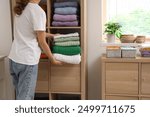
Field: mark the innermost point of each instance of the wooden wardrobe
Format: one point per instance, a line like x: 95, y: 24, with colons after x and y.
x: 67, y: 81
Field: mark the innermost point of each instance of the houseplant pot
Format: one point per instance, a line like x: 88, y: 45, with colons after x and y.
x: 112, y: 31
x: 111, y: 38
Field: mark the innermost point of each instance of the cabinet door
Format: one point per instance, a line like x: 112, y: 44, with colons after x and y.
x: 65, y: 78
x: 121, y: 98
x: 145, y: 74
x: 122, y: 78
x: 43, y: 76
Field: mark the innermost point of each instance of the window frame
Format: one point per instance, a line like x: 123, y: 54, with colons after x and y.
x: 104, y: 21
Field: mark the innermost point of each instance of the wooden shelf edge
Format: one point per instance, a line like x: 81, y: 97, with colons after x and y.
x: 63, y: 27
x: 41, y: 91
x: 66, y: 93
x: 128, y: 95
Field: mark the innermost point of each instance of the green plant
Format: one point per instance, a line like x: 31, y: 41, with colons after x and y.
x: 113, y: 28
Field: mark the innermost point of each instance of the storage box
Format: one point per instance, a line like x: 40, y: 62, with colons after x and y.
x: 113, y: 51
x: 145, y: 51
x: 128, y: 52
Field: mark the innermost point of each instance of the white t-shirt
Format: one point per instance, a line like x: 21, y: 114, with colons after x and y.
x: 25, y: 48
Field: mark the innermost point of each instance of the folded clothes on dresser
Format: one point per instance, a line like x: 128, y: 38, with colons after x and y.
x: 145, y: 50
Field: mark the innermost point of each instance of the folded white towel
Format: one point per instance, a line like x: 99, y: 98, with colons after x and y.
x: 67, y: 35
x: 75, y: 59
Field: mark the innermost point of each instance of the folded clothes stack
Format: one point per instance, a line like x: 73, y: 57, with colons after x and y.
x: 145, y: 51
x: 67, y: 48
x: 43, y: 56
x: 65, y: 14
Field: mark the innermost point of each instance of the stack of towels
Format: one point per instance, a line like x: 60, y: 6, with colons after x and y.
x: 65, y: 14
x: 67, y: 48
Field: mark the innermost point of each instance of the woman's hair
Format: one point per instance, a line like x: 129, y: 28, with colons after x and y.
x: 20, y: 6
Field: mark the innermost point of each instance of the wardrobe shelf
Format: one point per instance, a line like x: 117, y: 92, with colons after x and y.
x: 64, y: 27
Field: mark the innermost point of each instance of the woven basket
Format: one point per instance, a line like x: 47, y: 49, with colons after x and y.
x: 128, y: 38
x: 140, y: 39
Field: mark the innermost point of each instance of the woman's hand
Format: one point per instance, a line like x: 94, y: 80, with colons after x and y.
x: 56, y: 62
x: 57, y: 34
x: 49, y: 35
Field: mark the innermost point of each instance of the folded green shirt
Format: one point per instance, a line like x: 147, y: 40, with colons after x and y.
x: 66, y: 39
x: 67, y: 50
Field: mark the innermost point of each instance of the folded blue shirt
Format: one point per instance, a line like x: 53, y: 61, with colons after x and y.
x: 66, y: 11
x: 65, y: 4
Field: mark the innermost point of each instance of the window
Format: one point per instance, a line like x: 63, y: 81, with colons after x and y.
x: 133, y: 15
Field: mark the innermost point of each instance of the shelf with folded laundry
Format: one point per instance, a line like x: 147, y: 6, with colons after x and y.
x: 145, y: 50
x: 65, y: 30
x: 66, y: 48
x: 65, y: 13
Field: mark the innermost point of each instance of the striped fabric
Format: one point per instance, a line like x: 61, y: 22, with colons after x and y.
x: 68, y: 43
x: 76, y: 34
x: 64, y: 39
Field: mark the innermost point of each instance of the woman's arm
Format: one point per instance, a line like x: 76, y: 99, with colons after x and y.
x: 43, y: 44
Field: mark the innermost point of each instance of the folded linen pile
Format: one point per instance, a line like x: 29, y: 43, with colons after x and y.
x: 65, y: 14
x: 145, y: 51
x: 67, y: 48
x: 43, y: 56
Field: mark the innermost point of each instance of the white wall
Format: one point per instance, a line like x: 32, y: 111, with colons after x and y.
x: 5, y: 44
x: 94, y: 48
x: 5, y: 27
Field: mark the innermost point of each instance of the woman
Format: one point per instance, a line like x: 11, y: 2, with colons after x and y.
x: 29, y: 34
